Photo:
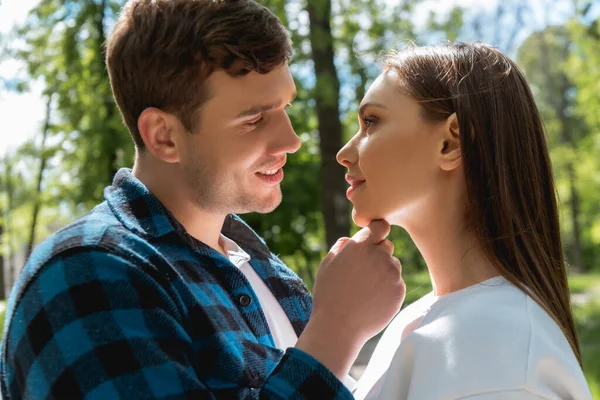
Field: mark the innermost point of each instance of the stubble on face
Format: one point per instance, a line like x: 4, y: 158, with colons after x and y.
x: 239, y: 136
x: 223, y: 193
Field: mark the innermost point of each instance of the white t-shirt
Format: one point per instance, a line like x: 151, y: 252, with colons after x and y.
x: 489, y: 341
x: 281, y: 328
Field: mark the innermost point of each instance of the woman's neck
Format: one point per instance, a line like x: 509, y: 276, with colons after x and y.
x: 454, y: 256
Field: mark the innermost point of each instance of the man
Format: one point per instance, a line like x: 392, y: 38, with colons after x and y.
x: 161, y: 292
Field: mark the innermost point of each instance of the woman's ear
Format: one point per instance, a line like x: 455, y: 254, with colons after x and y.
x: 450, y: 153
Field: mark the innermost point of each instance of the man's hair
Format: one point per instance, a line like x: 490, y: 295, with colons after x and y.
x: 161, y: 53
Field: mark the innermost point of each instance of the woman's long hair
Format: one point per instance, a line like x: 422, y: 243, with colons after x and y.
x: 512, y: 204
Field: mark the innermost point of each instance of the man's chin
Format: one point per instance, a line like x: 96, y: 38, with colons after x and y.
x: 264, y: 205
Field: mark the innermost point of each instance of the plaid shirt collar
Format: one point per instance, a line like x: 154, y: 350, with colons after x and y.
x: 141, y: 212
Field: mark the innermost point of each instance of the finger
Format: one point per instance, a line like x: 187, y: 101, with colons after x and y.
x: 397, y: 263
x: 387, y: 246
x: 374, y: 233
x: 336, y: 248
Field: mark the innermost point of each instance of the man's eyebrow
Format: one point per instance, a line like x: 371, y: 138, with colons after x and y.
x: 257, y: 110
x: 262, y: 108
x: 361, y: 110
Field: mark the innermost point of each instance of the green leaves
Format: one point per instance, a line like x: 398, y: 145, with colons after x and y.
x: 561, y: 65
x: 61, y: 43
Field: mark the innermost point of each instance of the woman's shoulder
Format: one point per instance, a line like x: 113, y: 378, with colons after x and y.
x: 493, y: 312
x: 493, y: 306
x: 490, y: 323
x: 498, y: 320
x: 492, y: 337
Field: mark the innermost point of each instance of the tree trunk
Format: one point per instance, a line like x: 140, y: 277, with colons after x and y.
x: 2, y: 288
x: 37, y: 202
x: 10, y: 268
x: 333, y: 188
x: 362, y: 86
x: 576, y: 252
x: 109, y: 105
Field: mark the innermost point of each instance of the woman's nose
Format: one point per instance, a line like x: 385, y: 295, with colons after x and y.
x: 348, y: 154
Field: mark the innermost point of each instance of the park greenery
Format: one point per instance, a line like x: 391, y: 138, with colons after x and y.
x: 60, y: 173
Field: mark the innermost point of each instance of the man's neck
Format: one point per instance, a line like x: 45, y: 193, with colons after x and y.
x: 172, y: 192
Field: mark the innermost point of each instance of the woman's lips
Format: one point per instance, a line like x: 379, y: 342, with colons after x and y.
x: 354, y: 185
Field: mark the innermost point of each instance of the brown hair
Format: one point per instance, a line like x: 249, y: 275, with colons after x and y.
x: 512, y: 204
x: 162, y: 51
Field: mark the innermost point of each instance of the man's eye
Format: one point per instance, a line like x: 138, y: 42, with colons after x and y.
x: 256, y: 122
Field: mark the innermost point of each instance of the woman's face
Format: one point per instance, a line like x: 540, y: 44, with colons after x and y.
x: 393, y: 160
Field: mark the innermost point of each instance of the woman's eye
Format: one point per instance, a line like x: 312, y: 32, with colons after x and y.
x: 369, y: 121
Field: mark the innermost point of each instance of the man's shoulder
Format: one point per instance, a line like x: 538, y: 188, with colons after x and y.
x: 98, y: 232
x: 99, y: 229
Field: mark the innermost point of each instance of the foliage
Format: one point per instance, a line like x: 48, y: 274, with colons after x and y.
x: 61, y: 45
x: 579, y: 283
x: 554, y: 69
x: 64, y: 42
x: 583, y: 68
x: 587, y: 321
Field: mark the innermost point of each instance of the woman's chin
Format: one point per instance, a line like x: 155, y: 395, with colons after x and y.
x: 362, y: 219
x: 358, y: 218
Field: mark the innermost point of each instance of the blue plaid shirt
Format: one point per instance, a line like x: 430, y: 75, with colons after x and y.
x: 124, y: 304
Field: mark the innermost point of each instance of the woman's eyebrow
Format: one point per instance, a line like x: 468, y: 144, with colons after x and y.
x: 370, y: 104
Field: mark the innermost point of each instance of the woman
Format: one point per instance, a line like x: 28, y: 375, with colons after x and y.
x: 452, y: 148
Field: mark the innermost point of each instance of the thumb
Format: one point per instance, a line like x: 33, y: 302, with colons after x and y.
x: 374, y: 233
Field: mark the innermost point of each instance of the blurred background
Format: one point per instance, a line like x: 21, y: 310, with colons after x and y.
x: 62, y: 139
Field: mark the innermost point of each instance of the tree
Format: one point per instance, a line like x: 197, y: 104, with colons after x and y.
x: 43, y: 158
x: 327, y: 95
x: 64, y: 42
x: 7, y: 238
x: 501, y: 27
x: 583, y: 69
x: 2, y: 282
x: 336, y: 46
x: 543, y: 57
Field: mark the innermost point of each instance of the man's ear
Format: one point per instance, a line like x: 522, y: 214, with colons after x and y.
x: 158, y: 129
x: 450, y: 152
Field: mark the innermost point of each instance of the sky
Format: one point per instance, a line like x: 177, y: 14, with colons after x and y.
x: 21, y: 114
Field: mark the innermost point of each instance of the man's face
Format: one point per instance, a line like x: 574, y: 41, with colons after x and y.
x: 233, y: 162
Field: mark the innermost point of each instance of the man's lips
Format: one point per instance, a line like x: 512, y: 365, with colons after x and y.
x: 272, y: 174
x: 273, y: 167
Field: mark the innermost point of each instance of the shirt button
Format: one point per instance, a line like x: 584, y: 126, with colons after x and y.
x: 245, y: 300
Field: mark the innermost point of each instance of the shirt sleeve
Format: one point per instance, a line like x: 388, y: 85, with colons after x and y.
x: 94, y: 325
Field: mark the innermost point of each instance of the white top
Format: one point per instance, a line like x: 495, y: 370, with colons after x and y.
x: 281, y: 328
x: 489, y: 341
